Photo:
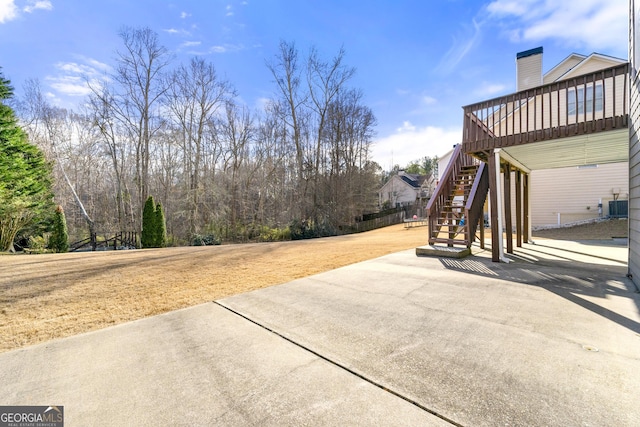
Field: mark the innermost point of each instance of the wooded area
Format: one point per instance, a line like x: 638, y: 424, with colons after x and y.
x: 178, y: 132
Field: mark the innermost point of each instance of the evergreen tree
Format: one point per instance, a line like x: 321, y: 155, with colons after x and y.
x: 59, y: 240
x: 148, y: 235
x: 26, y: 201
x: 160, y: 228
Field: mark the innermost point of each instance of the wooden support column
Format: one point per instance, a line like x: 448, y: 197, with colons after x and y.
x: 519, y: 208
x: 481, y: 224
x: 507, y: 207
x: 526, y: 209
x: 496, y: 234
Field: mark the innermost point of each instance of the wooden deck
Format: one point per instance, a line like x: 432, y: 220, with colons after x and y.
x: 596, y: 102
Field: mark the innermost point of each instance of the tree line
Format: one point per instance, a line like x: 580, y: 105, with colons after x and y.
x: 179, y: 133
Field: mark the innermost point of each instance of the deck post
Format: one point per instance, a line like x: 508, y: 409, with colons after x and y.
x: 526, y: 208
x: 519, y: 208
x: 496, y: 226
x: 508, y: 225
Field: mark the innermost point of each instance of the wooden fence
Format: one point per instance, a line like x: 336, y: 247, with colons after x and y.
x: 119, y: 240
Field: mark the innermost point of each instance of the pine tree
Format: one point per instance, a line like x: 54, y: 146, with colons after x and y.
x: 59, y: 240
x: 148, y: 235
x: 26, y: 201
x: 160, y: 228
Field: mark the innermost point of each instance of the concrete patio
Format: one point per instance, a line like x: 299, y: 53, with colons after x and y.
x: 552, y: 338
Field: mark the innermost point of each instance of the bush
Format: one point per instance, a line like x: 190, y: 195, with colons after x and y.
x: 38, y: 244
x: 59, y: 240
x: 307, y: 229
x: 268, y: 234
x: 148, y: 235
x: 204, y: 240
x: 154, y: 228
x: 160, y: 229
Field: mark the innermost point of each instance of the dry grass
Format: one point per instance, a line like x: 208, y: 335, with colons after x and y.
x: 43, y: 297
x: 592, y: 231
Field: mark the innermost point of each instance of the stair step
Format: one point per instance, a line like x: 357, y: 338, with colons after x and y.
x: 444, y: 240
x: 456, y: 226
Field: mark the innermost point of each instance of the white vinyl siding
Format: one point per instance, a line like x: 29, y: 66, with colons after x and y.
x: 634, y: 143
x: 529, y: 72
x: 562, y: 68
x: 554, y: 203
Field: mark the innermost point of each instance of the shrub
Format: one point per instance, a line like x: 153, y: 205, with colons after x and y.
x: 148, y: 235
x: 204, y: 240
x: 38, y: 244
x: 59, y: 240
x: 160, y: 229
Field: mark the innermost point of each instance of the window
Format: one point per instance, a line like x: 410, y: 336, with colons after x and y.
x: 578, y: 100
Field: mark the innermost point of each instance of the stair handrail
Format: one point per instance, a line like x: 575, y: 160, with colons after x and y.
x: 474, y: 208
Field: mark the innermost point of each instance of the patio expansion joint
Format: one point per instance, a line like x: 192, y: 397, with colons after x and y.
x: 342, y: 367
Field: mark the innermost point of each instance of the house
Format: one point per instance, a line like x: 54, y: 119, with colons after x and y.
x: 567, y: 195
x: 572, y: 121
x: 405, y: 189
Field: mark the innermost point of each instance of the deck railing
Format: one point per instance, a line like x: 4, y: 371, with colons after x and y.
x: 588, y: 103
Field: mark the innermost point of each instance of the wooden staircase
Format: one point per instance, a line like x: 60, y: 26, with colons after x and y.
x: 450, y: 222
x: 456, y: 208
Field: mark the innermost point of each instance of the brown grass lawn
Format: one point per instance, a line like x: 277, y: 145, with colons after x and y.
x: 56, y: 295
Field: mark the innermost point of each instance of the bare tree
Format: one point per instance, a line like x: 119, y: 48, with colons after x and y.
x: 236, y: 132
x: 326, y: 80
x: 140, y: 89
x: 101, y: 109
x: 194, y: 95
x: 53, y: 129
x: 291, y: 107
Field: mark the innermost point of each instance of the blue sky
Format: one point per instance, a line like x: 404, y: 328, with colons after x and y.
x: 418, y: 62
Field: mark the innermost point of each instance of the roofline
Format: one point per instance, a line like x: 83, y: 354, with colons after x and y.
x: 401, y: 180
x: 593, y: 55
x: 582, y: 58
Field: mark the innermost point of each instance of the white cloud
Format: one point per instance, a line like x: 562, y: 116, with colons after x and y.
x: 229, y: 10
x: 588, y: 24
x: 429, y: 100
x: 184, y: 15
x: 8, y: 11
x: 191, y: 44
x: 262, y: 103
x: 226, y: 48
x: 462, y: 45
x: 69, y: 85
x: 71, y: 77
x: 181, y: 32
x: 38, y: 5
x: 410, y: 142
x: 486, y: 90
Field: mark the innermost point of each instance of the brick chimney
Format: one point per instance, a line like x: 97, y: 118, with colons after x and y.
x: 528, y: 69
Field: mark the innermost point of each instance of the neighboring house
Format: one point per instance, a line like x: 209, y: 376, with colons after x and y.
x: 405, y: 189
x: 443, y: 162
